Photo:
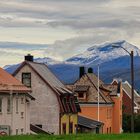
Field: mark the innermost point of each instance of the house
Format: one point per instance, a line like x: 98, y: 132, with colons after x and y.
x: 55, y: 109
x: 110, y: 101
x: 15, y: 99
x: 126, y: 87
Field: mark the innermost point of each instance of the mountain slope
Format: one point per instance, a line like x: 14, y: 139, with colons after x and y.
x: 99, y: 54
x: 113, y: 62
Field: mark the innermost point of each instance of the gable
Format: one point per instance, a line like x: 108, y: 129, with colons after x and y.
x: 91, y: 81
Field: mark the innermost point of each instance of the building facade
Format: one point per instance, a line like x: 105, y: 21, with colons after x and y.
x: 15, y: 101
x: 126, y: 100
x: 110, y: 101
x: 54, y: 111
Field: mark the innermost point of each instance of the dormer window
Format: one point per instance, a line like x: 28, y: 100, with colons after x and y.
x: 26, y: 79
x: 80, y: 95
x: 81, y: 91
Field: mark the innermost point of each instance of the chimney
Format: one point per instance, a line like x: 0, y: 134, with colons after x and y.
x: 81, y: 71
x: 29, y: 57
x: 90, y: 70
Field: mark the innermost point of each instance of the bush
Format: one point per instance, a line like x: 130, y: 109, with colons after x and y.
x: 127, y: 123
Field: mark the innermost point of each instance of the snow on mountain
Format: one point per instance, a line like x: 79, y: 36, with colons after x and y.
x: 114, y: 63
x: 102, y: 53
x: 47, y: 60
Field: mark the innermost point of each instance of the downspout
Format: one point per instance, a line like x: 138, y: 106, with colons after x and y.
x: 60, y: 123
x: 25, y: 115
x: 11, y: 110
x: 69, y: 123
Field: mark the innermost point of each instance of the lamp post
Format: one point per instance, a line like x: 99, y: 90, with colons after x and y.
x: 132, y: 83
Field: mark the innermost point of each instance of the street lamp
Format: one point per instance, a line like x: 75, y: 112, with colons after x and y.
x: 132, y: 83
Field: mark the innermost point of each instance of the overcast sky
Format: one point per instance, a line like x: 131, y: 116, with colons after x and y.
x: 68, y: 27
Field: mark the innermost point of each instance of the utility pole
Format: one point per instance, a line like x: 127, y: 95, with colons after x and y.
x: 132, y: 83
x: 132, y: 92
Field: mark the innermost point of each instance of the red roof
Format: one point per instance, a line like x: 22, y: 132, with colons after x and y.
x: 9, y: 83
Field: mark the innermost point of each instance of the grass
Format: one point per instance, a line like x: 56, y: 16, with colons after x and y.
x: 74, y: 137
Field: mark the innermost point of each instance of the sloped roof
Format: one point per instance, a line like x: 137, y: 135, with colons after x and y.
x: 89, y: 123
x: 112, y: 88
x: 81, y: 88
x: 9, y: 83
x: 127, y: 88
x: 94, y: 80
x: 43, y: 71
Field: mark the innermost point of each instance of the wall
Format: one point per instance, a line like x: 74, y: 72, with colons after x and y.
x: 126, y: 103
x: 117, y: 113
x: 91, y: 111
x: 45, y: 109
x: 14, y: 118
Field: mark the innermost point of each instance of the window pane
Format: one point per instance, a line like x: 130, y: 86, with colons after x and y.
x: 64, y: 128
x: 0, y: 104
x: 16, y: 104
x: 26, y: 79
x: 8, y: 104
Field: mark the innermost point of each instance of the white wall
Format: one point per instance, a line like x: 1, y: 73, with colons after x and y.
x: 13, y: 118
x: 45, y: 109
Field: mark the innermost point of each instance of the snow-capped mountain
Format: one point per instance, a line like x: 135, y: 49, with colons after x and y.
x: 114, y: 63
x: 47, y: 60
x: 99, y: 54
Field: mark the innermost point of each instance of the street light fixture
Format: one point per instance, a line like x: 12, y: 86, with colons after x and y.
x: 132, y: 83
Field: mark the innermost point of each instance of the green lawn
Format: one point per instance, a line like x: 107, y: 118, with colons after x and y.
x: 75, y: 137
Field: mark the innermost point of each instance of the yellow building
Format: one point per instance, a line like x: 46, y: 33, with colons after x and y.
x: 69, y: 114
x: 69, y: 123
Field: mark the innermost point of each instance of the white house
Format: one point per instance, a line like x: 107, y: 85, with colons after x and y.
x: 55, y: 109
x: 14, y: 105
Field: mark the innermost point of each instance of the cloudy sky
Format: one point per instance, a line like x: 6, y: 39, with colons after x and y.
x: 67, y: 27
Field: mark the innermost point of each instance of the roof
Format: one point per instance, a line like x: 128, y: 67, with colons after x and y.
x: 43, y: 71
x: 89, y: 123
x: 9, y: 83
x: 81, y: 88
x: 127, y: 88
x: 114, y: 89
x: 104, y: 98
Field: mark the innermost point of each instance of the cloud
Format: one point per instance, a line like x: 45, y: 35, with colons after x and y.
x: 73, y: 25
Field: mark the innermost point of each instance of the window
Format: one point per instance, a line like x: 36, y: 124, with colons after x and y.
x: 16, y: 131
x: 64, y: 128
x: 72, y: 104
x: 110, y: 129
x: 22, y: 100
x: 8, y: 105
x: 77, y: 104
x: 22, y: 130
x: 0, y: 105
x: 26, y: 79
x: 80, y: 95
x: 71, y: 128
x: 66, y: 103
x: 109, y: 113
x: 16, y: 104
x: 107, y: 130
x: 69, y: 104
x: 97, y: 130
x: 22, y: 113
